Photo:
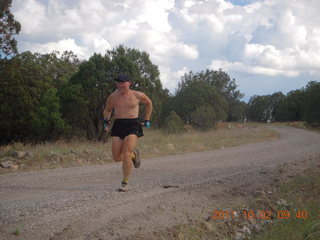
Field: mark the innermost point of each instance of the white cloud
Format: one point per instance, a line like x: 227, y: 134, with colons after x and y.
x: 279, y: 45
x: 156, y: 14
x: 241, y: 67
x: 31, y: 16
x: 251, y: 8
x: 61, y: 46
x: 97, y: 43
x: 269, y: 37
x: 171, y: 78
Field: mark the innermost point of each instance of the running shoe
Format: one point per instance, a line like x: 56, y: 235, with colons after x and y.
x: 136, y: 159
x: 124, y: 187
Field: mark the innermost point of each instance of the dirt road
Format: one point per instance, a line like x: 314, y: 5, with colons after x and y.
x: 82, y: 202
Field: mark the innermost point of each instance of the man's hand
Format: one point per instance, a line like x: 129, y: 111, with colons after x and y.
x: 106, y: 123
x: 146, y: 123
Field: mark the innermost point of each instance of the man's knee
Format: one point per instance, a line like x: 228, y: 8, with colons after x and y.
x: 126, y: 155
x: 117, y: 158
x: 123, y: 156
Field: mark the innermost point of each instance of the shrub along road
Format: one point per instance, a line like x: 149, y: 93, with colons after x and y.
x: 83, y: 202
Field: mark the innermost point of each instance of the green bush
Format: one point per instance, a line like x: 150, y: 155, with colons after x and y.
x: 312, y: 103
x: 203, y: 118
x: 173, y: 123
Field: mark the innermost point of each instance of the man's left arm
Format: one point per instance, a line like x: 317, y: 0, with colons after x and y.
x: 148, y: 103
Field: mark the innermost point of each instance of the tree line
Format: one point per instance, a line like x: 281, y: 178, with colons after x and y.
x: 48, y: 96
x: 298, y: 105
x: 45, y: 97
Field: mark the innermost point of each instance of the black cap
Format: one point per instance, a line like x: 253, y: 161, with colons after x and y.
x: 123, y: 78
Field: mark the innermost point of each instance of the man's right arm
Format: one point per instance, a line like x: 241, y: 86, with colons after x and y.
x: 107, y: 112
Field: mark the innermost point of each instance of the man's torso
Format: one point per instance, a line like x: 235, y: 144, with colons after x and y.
x: 126, y: 106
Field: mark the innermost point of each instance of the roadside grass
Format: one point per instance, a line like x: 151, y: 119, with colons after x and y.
x: 302, y: 125
x: 303, y: 193
x: 198, y: 230
x: 16, y: 232
x: 57, y: 154
x: 155, y: 143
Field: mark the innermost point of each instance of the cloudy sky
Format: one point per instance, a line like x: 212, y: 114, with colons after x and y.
x: 265, y: 45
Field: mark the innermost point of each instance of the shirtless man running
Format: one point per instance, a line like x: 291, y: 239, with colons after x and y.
x: 127, y: 127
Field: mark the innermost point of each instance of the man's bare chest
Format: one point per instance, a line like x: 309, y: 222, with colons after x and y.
x: 126, y: 102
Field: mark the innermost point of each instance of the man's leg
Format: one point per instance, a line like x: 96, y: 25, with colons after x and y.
x: 117, y: 145
x: 128, y: 146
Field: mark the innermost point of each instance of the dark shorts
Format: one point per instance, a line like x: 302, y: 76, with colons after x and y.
x: 124, y: 127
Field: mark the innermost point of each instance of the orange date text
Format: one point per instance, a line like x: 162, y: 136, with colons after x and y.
x: 260, y: 214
